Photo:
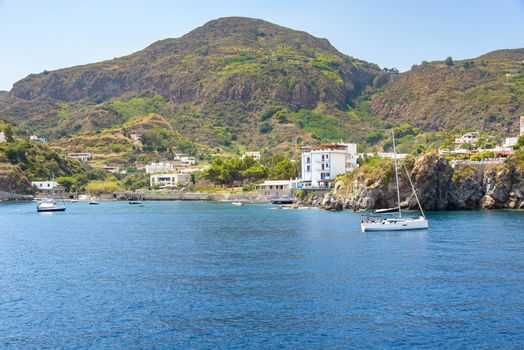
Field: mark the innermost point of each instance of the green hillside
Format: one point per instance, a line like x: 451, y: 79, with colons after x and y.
x: 486, y: 93
x: 214, y: 85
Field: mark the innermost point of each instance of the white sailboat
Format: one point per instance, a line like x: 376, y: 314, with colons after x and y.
x: 377, y: 223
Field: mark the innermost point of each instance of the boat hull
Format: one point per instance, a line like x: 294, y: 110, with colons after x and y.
x: 282, y: 201
x: 395, y: 225
x: 43, y: 210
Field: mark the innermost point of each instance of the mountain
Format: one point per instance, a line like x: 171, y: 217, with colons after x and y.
x: 236, y: 84
x: 213, y: 84
x: 486, y: 93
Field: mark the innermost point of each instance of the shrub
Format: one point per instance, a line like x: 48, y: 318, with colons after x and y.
x: 99, y: 187
x: 265, y: 128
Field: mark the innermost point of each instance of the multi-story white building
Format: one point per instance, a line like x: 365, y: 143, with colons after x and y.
x: 169, y: 180
x: 321, y: 164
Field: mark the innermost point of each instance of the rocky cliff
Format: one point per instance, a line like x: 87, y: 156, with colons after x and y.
x: 439, y: 186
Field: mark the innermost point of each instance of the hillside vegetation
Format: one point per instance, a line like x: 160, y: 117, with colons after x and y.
x: 486, y: 93
x: 213, y: 84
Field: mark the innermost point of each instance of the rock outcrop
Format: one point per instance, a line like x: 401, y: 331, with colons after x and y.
x: 439, y: 187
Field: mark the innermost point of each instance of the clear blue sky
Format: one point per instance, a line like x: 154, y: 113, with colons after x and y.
x: 39, y: 34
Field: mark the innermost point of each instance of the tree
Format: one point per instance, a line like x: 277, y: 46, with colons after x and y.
x: 283, y: 170
x: 265, y: 128
x: 449, y: 61
x: 69, y: 183
x: 8, y: 131
x: 157, y: 139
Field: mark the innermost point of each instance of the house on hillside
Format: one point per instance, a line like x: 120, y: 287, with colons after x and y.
x: 322, y: 164
x: 2, y: 137
x: 469, y: 137
x: 169, y: 180
x: 37, y: 138
x: 82, y: 156
x: 184, y: 159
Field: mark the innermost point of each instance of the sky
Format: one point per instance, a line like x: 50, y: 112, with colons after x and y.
x: 42, y: 35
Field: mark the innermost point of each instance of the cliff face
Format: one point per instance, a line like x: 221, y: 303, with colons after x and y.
x: 439, y: 187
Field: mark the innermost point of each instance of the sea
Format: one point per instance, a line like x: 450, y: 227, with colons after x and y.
x: 210, y: 275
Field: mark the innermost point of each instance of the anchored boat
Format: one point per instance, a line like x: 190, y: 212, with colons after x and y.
x: 379, y: 223
x: 49, y: 204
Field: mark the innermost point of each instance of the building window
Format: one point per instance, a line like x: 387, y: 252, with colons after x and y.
x: 327, y: 156
x: 308, y: 168
x: 308, y: 160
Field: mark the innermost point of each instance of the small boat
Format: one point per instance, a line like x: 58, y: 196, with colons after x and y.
x: 135, y: 202
x: 48, y: 205
x: 238, y: 204
x: 283, y: 200
x: 399, y: 223
x: 93, y: 201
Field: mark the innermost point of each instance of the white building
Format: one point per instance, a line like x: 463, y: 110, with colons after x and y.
x: 169, y: 180
x: 2, y: 136
x: 48, y: 187
x: 80, y: 156
x: 469, y: 137
x: 510, y: 142
x: 184, y: 160
x: 112, y: 169
x: 384, y: 155
x: 276, y: 188
x: 36, y: 138
x: 160, y: 167
x: 255, y: 155
x: 321, y: 164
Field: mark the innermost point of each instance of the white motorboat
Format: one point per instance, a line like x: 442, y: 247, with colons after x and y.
x: 378, y: 223
x: 48, y: 205
x: 93, y: 201
x: 238, y: 204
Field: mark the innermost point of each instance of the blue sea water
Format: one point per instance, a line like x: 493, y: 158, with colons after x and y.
x: 209, y: 275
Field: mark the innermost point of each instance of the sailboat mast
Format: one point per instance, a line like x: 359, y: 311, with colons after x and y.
x: 396, y: 173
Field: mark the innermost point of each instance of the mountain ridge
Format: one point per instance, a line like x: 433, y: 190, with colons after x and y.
x: 247, y: 83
